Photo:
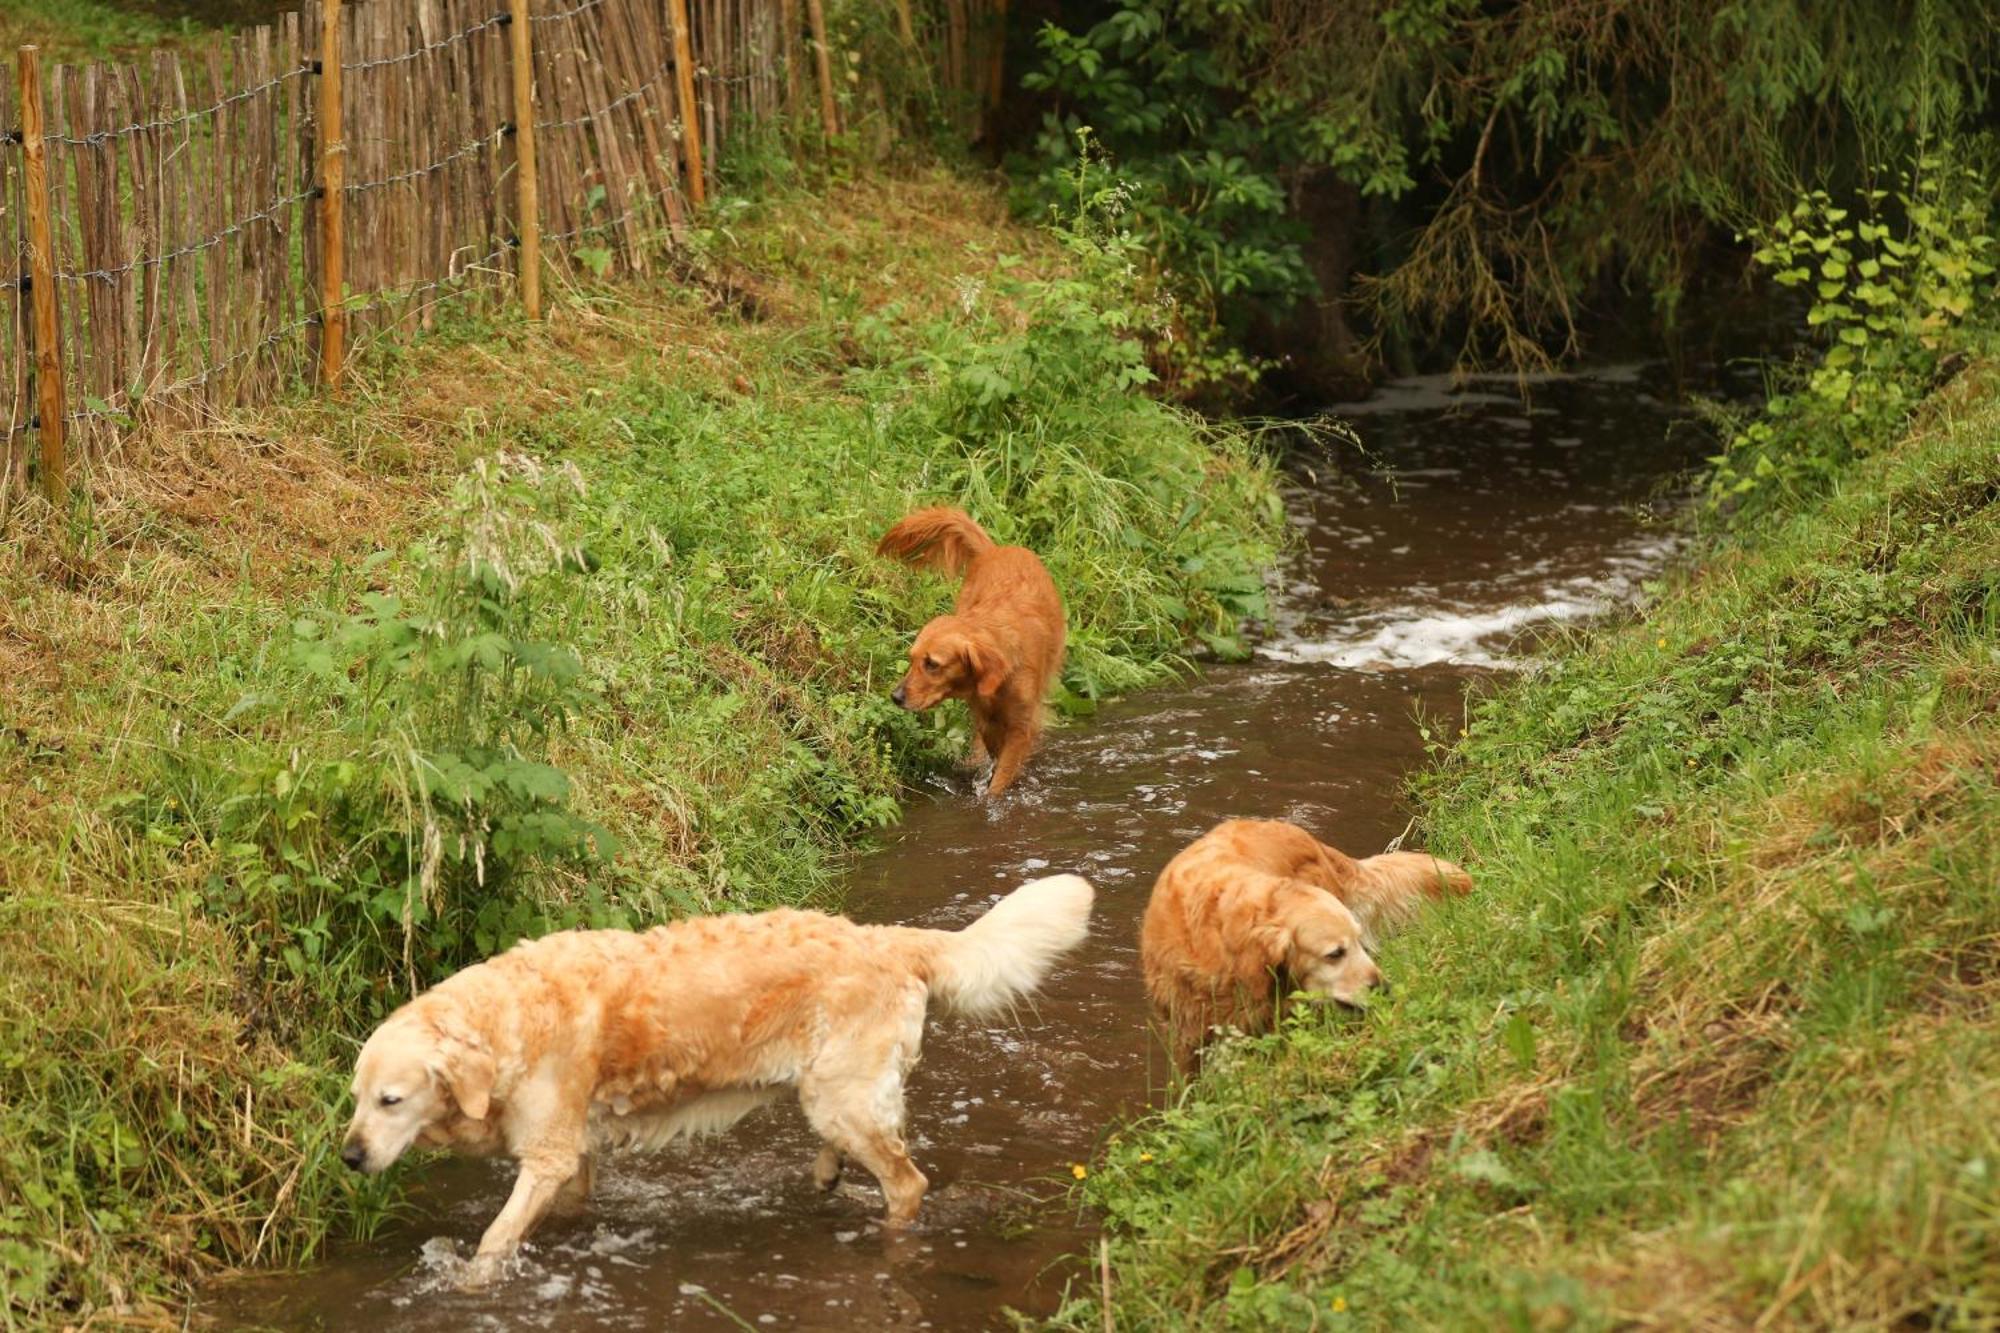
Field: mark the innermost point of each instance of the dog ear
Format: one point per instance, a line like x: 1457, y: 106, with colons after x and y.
x: 1273, y: 941
x: 469, y: 1073
x: 989, y: 666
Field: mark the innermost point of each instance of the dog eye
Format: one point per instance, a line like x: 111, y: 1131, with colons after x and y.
x: 387, y: 1099
x: 1335, y: 955
x: 930, y: 664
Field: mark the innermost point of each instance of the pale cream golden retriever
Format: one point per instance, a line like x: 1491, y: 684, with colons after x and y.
x: 1257, y: 908
x: 592, y: 1040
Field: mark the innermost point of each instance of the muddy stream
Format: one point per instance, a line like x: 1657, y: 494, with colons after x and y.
x: 1475, y: 520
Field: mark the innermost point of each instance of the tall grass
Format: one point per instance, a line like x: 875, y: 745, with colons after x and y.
x: 632, y: 663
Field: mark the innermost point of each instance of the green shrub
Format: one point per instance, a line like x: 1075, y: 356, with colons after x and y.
x: 1896, y: 279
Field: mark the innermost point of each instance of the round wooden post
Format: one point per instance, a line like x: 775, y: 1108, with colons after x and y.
x: 788, y: 41
x: 996, y: 74
x: 525, y: 190
x: 829, y: 110
x: 690, y: 117
x: 42, y: 281
x: 332, y: 202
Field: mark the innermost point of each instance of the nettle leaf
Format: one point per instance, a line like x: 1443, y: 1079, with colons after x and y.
x: 533, y: 782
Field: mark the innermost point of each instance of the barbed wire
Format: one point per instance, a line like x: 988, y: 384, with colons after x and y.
x: 472, y: 266
x: 206, y: 243
x: 639, y: 204
x: 269, y: 340
x: 410, y: 294
x: 565, y: 14
x: 612, y: 105
x: 98, y: 137
x: 440, y: 44
x: 179, y: 386
x: 490, y: 140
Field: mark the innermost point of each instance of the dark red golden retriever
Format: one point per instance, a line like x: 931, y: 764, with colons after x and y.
x: 1256, y: 908
x: 1001, y: 647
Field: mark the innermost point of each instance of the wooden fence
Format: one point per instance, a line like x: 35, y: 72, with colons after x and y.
x: 205, y: 228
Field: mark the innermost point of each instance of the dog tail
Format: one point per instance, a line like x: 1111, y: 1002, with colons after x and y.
x: 941, y: 538
x: 1389, y: 889
x: 1005, y: 954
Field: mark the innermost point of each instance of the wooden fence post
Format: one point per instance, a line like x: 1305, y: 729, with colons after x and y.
x: 829, y: 111
x: 332, y: 201
x: 788, y: 42
x: 42, y: 281
x: 529, y: 201
x: 690, y: 117
x: 996, y: 74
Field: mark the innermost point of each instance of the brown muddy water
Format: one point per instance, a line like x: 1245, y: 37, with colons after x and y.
x: 1474, y: 522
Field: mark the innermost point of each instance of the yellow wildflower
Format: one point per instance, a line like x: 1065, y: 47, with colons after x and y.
x: 1079, y: 1170
x: 1340, y: 1305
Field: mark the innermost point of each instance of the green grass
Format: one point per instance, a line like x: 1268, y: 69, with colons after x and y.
x: 1714, y: 1040
x: 87, y: 29
x: 536, y: 627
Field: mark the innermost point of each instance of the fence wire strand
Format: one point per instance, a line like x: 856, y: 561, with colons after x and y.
x: 566, y: 14
x: 640, y: 203
x: 611, y: 106
x: 97, y: 137
x: 269, y: 214
x: 167, y: 392
x: 429, y: 47
x: 483, y: 142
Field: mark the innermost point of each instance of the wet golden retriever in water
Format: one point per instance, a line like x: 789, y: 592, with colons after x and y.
x: 1001, y: 647
x: 596, y: 1039
x: 1256, y: 908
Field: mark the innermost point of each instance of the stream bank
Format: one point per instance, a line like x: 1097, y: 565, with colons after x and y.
x: 1712, y: 1044
x: 1474, y: 524
x: 535, y: 626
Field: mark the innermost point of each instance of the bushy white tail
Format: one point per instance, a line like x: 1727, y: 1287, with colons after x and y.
x: 1005, y: 954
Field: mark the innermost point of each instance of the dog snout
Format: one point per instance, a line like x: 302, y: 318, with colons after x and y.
x: 354, y: 1154
x: 900, y: 697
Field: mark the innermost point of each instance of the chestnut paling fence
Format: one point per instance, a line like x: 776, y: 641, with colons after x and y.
x: 203, y: 228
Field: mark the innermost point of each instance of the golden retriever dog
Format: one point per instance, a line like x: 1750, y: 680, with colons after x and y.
x: 1257, y: 908
x: 1001, y: 647
x: 591, y: 1040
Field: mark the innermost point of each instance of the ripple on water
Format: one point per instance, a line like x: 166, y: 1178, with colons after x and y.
x: 1474, y: 525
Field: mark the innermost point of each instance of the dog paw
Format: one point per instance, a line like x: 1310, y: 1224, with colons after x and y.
x: 826, y: 1170
x: 483, y: 1271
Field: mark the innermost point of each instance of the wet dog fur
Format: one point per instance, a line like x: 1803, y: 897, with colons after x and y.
x: 1000, y: 649
x: 1257, y: 908
x: 585, y: 1041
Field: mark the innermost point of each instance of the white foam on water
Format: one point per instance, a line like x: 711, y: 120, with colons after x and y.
x: 1458, y: 634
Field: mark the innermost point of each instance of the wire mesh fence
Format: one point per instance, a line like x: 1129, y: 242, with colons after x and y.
x: 187, y: 200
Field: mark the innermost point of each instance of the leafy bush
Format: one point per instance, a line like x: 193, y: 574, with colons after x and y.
x: 379, y: 798
x: 1483, y: 173
x: 1896, y: 279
